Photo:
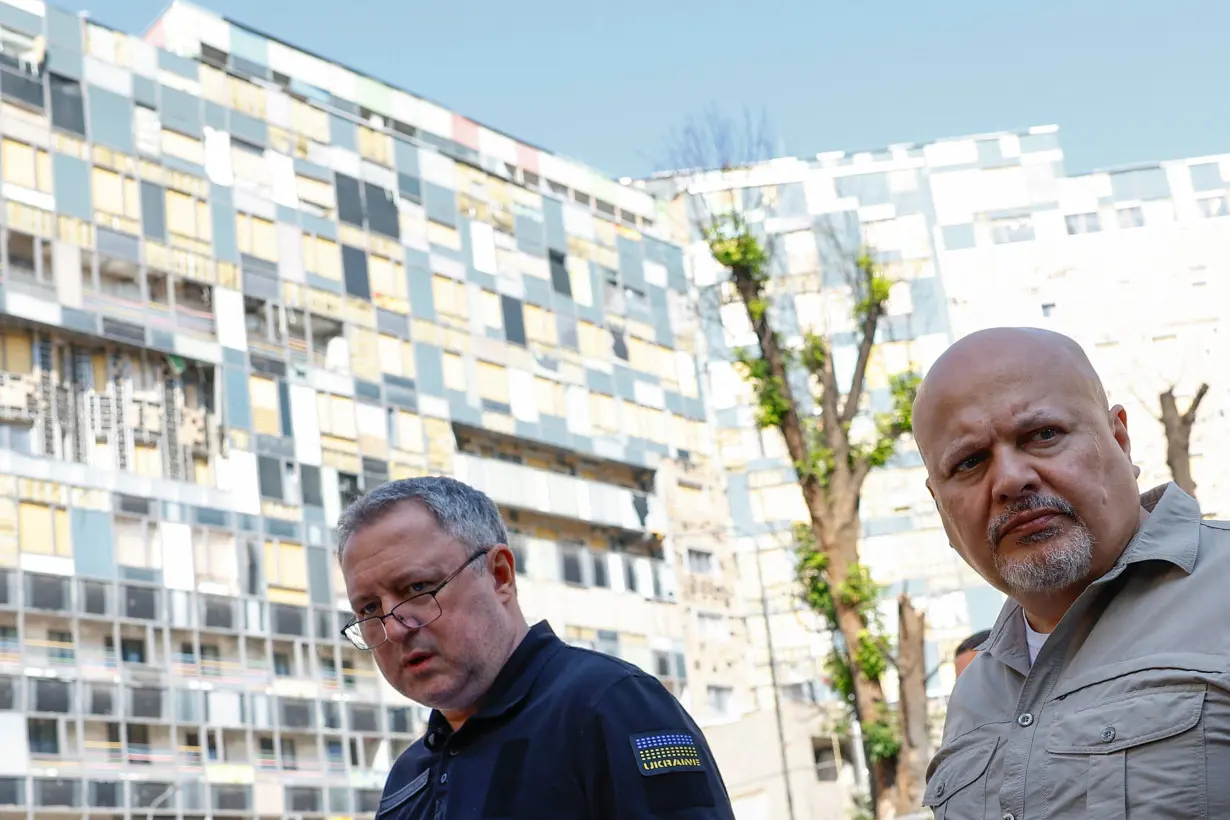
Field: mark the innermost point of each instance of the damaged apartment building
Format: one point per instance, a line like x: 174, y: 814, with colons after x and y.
x: 241, y: 285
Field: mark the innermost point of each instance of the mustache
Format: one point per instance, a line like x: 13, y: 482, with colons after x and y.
x: 1028, y: 504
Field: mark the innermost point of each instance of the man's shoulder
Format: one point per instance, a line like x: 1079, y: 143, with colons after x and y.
x: 592, y: 672
x: 407, y: 766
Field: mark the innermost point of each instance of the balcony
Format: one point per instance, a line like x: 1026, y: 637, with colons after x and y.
x: 18, y: 398
x: 563, y: 496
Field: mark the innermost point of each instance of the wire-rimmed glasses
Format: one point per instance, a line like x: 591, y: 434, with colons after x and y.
x: 412, y: 613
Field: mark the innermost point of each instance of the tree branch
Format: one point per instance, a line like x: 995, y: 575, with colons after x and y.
x: 1189, y: 418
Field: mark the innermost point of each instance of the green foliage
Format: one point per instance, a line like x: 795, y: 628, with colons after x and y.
x: 877, y: 288
x: 771, y: 402
x: 815, y: 353
x: 735, y: 247
x: 880, y: 736
x: 892, y: 425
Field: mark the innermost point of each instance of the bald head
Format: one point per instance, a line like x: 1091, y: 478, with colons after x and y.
x: 996, y: 352
x: 1030, y: 469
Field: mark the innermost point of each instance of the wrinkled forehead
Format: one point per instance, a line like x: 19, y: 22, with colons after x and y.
x: 978, y: 395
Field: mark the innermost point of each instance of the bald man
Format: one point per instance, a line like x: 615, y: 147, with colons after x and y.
x: 1104, y: 688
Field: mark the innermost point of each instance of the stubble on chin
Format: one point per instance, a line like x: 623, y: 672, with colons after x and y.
x: 1050, y: 560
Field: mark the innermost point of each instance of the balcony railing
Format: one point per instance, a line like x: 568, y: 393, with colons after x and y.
x: 530, y: 488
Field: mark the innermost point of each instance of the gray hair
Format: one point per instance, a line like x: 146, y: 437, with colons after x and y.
x: 463, y: 512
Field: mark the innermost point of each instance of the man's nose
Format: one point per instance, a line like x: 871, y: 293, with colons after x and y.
x: 1014, y: 475
x: 395, y: 630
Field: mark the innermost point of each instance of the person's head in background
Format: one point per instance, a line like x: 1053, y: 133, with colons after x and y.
x: 967, y: 650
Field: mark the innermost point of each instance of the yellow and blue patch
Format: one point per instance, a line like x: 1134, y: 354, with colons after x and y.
x: 666, y: 751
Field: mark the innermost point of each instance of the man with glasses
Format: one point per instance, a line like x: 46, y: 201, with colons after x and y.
x: 522, y: 724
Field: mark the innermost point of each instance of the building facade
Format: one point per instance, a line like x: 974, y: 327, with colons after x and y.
x: 241, y: 285
x: 976, y: 231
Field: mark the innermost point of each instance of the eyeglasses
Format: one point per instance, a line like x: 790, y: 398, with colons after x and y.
x: 413, y: 613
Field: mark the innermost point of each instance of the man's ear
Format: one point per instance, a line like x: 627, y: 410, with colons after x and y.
x: 1119, y: 429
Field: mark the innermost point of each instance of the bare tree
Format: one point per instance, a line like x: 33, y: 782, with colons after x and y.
x: 832, y: 439
x: 1178, y: 427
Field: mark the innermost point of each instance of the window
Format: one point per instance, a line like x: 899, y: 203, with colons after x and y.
x: 315, y: 192
x: 329, y: 343
x: 269, y: 474
x: 182, y: 146
x: 67, y: 108
x: 115, y: 194
x: 138, y: 543
x: 354, y: 270
x: 188, y: 216
x: 309, y: 121
x: 382, y: 215
x: 540, y: 326
x: 720, y: 700
x: 246, y: 97
x: 514, y: 320
x: 1016, y: 229
x: 43, y: 530
x: 1048, y: 310
x: 23, y: 253
x: 1083, y: 223
x: 701, y: 562
x: 26, y: 166
x: 559, y: 273
x: 194, y: 302
x: 600, y: 570
x: 387, y: 277
x: 1212, y: 206
x: 493, y: 383
x: 1132, y: 217
x: 153, y: 211
x: 572, y: 571
x: 285, y: 565
x: 450, y: 298
x: 321, y: 257
x: 119, y: 279
x: 44, y: 736
x: 266, y: 407
x: 630, y: 576
x: 256, y: 237
x: 349, y: 200
x: 60, y: 648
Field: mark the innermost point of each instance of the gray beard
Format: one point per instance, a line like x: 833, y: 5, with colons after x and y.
x: 1052, y: 566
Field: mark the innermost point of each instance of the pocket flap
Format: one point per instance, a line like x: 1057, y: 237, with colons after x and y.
x: 1127, y: 721
x: 391, y: 801
x: 957, y: 770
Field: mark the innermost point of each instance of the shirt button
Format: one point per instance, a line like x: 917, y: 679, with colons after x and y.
x: 1008, y: 816
x: 1108, y: 734
x: 939, y: 790
x: 444, y: 777
x: 1025, y: 720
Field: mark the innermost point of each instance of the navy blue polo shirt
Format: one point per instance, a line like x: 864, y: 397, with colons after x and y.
x: 563, y: 733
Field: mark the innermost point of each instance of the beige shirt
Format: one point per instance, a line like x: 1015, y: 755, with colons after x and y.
x: 1126, y: 711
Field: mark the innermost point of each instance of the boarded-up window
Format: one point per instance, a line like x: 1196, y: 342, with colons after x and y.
x: 285, y: 565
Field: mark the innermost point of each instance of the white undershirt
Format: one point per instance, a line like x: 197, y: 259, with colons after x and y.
x: 1034, y: 639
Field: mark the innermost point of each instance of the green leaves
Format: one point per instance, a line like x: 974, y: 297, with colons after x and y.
x: 771, y: 402
x: 735, y: 247
x: 875, y: 286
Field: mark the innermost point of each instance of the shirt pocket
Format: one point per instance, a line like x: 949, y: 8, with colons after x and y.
x: 407, y: 802
x: 1148, y: 744
x: 957, y: 788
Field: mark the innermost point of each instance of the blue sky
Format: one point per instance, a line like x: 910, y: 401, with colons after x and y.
x: 1125, y: 81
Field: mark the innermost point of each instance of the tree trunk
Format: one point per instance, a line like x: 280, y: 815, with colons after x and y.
x: 840, y: 543
x: 912, y: 706
x: 1178, y: 428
